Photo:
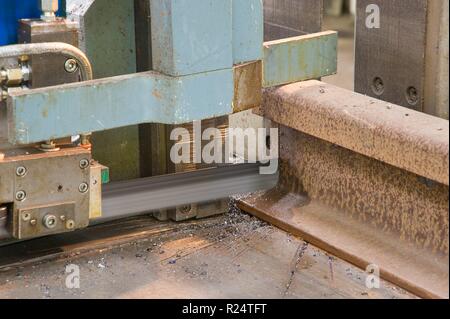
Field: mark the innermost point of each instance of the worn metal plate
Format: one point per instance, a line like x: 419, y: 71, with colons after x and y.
x: 300, y: 58
x: 291, y: 18
x: 390, y: 60
x: 48, y: 69
x: 29, y: 222
x: 247, y: 86
x: 50, y: 179
x: 105, y: 104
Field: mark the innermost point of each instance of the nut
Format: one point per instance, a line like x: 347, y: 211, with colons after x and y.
x: 21, y: 171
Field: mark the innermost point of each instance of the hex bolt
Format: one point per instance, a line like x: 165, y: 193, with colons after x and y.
x: 21, y: 171
x: 50, y: 221
x: 84, y: 163
x: 71, y: 65
x: 70, y: 224
x: 21, y: 196
x: 83, y: 188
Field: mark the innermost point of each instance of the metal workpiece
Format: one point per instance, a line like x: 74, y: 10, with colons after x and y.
x: 49, y: 9
x: 46, y: 192
x: 365, y: 180
x: 401, y: 137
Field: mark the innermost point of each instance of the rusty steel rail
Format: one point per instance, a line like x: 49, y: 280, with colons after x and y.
x: 401, y: 137
x: 363, y: 179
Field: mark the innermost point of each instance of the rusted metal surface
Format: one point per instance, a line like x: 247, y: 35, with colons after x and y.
x: 247, y: 86
x: 45, y: 181
x: 362, y: 210
x: 409, y: 140
x: 362, y: 179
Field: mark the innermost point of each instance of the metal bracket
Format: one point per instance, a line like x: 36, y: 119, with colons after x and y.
x: 203, y: 69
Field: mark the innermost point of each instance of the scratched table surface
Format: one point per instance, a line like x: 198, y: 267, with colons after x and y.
x: 230, y: 256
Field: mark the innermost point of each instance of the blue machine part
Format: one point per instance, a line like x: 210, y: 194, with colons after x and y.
x: 13, y: 10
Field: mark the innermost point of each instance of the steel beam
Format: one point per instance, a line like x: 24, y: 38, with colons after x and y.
x: 99, y: 105
x: 363, y: 179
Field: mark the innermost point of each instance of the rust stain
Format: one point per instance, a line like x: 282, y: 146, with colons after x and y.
x: 418, y: 142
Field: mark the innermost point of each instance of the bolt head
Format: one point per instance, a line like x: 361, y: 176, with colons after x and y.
x: 71, y: 66
x: 21, y: 171
x: 21, y: 196
x: 84, y: 163
x: 83, y: 188
x: 50, y: 221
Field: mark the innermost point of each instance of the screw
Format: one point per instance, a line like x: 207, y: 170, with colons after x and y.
x: 21, y: 171
x: 378, y: 86
x: 33, y: 222
x: 26, y: 216
x: 21, y: 196
x: 62, y: 217
x: 83, y: 188
x: 84, y: 163
x: 71, y: 65
x: 70, y: 224
x: 50, y: 221
x: 412, y: 96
